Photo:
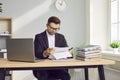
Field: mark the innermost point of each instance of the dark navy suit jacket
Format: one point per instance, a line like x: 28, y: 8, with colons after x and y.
x: 41, y: 43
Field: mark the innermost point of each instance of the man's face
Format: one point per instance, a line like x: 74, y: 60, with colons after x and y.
x: 52, y: 28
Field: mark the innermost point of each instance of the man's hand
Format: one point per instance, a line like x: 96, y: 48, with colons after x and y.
x: 48, y: 52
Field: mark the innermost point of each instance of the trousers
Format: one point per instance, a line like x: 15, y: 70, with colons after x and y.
x: 51, y: 74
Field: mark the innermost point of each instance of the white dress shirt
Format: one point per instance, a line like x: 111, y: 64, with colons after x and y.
x: 51, y: 40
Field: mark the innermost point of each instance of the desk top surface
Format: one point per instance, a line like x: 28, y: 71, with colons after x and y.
x: 4, y: 63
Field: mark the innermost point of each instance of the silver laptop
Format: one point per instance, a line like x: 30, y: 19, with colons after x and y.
x: 20, y: 49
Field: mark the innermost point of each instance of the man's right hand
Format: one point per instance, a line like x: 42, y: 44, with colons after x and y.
x: 48, y: 52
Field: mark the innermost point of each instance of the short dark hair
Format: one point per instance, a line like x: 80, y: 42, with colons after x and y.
x: 54, y: 19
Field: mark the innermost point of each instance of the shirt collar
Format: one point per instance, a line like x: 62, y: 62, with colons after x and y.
x: 49, y: 34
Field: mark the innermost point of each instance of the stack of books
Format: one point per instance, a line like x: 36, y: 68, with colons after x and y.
x: 88, y: 52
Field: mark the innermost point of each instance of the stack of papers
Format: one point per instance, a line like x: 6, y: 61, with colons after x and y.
x: 60, y: 53
x: 88, y: 52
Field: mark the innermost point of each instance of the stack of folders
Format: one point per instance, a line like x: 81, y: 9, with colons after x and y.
x: 88, y: 52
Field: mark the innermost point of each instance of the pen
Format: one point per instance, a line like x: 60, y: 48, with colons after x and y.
x: 71, y: 48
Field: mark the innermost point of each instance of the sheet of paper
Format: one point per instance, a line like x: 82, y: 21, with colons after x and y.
x: 67, y: 60
x: 61, y: 49
x: 60, y: 53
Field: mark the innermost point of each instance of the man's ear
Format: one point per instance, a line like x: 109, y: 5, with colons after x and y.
x: 47, y: 24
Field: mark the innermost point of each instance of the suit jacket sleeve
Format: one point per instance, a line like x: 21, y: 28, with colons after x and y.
x: 39, y: 46
x: 60, y: 41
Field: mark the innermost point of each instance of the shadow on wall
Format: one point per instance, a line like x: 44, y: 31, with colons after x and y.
x: 31, y: 15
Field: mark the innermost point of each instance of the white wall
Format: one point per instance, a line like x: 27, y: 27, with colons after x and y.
x: 97, y: 22
x: 30, y: 17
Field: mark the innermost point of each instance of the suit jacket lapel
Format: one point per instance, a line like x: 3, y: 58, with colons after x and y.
x: 56, y: 40
x: 45, y: 39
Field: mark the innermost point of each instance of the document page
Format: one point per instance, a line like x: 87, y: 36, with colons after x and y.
x: 60, y: 53
x: 61, y: 49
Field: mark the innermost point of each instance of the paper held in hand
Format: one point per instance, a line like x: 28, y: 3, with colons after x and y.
x: 60, y: 53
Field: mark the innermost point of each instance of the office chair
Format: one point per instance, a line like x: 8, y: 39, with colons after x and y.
x: 54, y: 79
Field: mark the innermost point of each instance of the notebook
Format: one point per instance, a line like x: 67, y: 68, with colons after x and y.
x: 20, y: 49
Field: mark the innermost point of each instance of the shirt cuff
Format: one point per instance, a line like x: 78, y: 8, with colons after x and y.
x: 44, y: 54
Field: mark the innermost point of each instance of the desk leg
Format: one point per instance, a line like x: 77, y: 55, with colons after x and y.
x: 86, y: 73
x: 2, y: 74
x: 101, y: 72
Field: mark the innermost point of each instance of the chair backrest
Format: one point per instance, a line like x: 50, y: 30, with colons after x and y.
x: 54, y: 79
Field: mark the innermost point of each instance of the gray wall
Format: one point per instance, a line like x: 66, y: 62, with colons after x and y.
x: 30, y: 17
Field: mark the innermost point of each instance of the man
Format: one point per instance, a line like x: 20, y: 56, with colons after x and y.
x: 44, y: 46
